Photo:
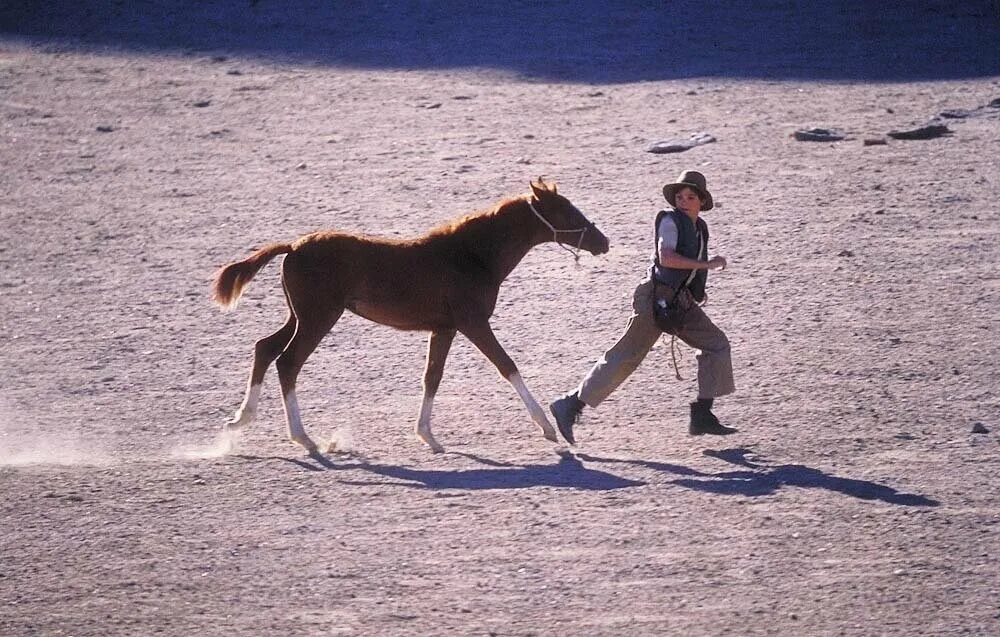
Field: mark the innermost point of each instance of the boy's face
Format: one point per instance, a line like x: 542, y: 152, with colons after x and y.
x: 687, y: 200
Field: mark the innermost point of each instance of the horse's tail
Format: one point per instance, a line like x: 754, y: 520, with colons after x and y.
x: 231, y: 279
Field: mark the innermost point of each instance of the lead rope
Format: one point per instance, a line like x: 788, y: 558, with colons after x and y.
x: 555, y: 234
x: 673, y: 356
x: 674, y: 348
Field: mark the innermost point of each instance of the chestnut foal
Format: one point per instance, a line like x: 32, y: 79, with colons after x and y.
x: 444, y: 282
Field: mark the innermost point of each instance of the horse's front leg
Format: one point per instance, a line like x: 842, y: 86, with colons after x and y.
x: 481, y: 335
x: 437, y: 352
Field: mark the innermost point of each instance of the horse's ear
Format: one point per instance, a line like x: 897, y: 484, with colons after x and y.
x: 539, y: 187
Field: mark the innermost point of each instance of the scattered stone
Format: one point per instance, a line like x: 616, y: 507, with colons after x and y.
x: 845, y: 253
x: 234, y: 72
x: 679, y: 145
x: 955, y: 113
x: 595, y: 94
x: 301, y: 166
x: 876, y: 141
x: 980, y: 428
x: 433, y: 105
x: 995, y: 102
x: 930, y: 131
x: 105, y: 129
x: 818, y: 135
x: 202, y: 104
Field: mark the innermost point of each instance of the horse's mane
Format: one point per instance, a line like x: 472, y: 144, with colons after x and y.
x: 443, y: 231
x: 472, y: 219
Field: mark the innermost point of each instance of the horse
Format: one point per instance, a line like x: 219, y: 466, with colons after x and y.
x: 443, y: 282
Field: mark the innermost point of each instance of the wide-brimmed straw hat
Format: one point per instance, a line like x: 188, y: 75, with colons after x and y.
x: 695, y: 181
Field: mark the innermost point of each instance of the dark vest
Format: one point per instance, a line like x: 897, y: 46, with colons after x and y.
x: 687, y: 246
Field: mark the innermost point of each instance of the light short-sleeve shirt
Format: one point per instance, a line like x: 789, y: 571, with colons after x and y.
x: 666, y: 235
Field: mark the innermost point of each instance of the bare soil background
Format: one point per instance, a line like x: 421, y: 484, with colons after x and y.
x: 144, y: 146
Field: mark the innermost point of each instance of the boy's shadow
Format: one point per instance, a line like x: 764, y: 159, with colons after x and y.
x: 762, y: 479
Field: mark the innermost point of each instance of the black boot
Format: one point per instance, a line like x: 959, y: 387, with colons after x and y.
x: 567, y: 411
x: 703, y: 421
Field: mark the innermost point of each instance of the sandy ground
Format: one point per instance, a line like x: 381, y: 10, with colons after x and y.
x: 861, y: 300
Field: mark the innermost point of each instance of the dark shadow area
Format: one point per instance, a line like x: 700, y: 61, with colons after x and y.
x: 764, y: 479
x: 568, y: 472
x: 585, y: 41
x: 324, y: 462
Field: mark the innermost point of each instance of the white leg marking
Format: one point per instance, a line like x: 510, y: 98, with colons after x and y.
x: 424, y: 424
x: 247, y: 410
x: 537, y: 413
x: 295, y: 430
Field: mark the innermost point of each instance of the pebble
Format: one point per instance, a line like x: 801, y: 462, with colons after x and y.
x: 980, y: 428
x: 955, y: 113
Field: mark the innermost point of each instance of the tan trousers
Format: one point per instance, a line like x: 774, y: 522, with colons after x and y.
x: 715, y: 368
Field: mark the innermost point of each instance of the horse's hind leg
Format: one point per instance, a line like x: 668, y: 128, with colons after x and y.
x: 313, y: 325
x: 481, y: 335
x: 437, y: 352
x: 264, y: 352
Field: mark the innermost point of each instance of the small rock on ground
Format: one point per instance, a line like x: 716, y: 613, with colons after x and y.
x: 680, y: 145
x: 818, y: 135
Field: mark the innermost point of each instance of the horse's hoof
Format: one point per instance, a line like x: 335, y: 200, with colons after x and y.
x: 241, y: 419
x: 307, y: 444
x: 430, y: 442
x: 547, y: 430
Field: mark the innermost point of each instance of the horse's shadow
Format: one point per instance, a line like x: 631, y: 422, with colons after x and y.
x: 757, y: 479
x: 568, y: 472
x: 761, y: 479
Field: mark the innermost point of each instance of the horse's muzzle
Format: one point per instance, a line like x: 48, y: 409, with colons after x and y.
x: 596, y: 243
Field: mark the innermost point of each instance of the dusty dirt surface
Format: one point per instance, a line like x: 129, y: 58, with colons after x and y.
x: 861, y: 299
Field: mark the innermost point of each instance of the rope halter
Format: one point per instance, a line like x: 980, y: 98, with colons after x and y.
x: 555, y: 233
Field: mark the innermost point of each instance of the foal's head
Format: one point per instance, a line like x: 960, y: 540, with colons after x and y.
x: 567, y: 223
